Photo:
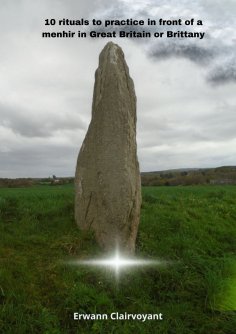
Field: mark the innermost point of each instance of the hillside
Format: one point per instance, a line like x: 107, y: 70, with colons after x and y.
x: 172, y: 177
x: 190, y: 176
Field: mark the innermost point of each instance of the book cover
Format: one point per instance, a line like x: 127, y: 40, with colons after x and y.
x: 166, y: 83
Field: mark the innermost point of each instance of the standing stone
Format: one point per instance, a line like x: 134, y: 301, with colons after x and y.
x: 107, y: 181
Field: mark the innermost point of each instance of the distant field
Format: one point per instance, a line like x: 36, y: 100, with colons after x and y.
x: 194, y: 227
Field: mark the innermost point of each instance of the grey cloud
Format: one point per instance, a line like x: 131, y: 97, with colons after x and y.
x: 39, y: 161
x: 43, y: 124
x: 217, y: 45
x: 216, y: 125
x: 219, y: 125
x: 193, y: 52
x: 46, y: 87
x: 223, y: 73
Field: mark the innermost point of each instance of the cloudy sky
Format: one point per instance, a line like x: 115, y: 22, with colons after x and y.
x: 185, y: 88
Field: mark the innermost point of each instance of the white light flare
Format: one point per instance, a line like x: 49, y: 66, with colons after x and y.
x: 118, y: 262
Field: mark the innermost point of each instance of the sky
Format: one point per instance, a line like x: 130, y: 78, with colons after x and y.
x: 185, y: 88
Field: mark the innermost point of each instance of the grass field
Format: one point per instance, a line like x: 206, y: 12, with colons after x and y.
x: 193, y: 227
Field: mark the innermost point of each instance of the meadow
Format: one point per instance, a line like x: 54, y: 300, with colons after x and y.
x: 192, y: 227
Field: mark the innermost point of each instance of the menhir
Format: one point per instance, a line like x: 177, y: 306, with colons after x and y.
x: 107, y: 181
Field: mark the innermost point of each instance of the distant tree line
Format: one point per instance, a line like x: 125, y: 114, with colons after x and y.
x: 29, y: 182
x: 220, y: 175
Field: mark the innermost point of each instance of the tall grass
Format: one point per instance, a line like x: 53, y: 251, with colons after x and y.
x: 192, y: 227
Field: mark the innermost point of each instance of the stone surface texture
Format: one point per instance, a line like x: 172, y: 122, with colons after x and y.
x: 107, y: 181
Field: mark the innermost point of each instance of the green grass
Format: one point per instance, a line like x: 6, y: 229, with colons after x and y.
x: 193, y: 227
